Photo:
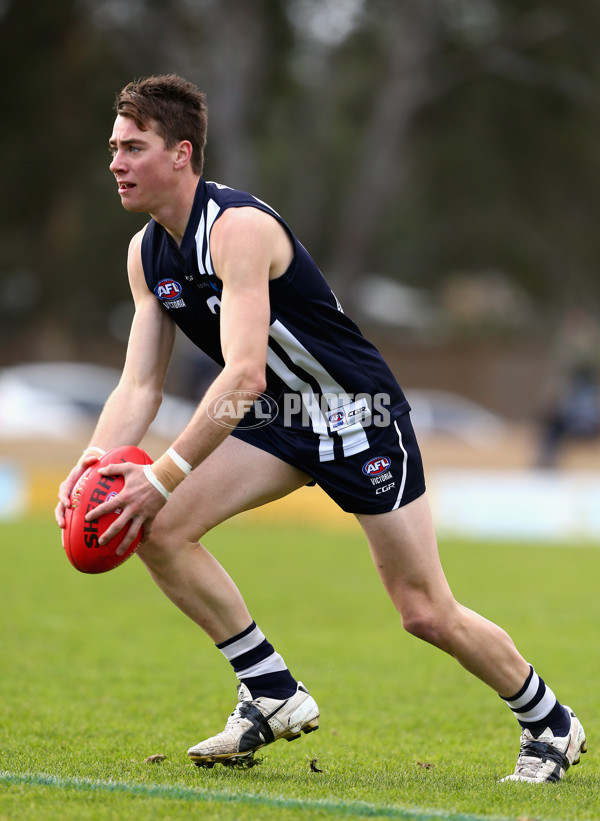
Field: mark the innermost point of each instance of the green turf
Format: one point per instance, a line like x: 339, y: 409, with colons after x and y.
x: 98, y: 673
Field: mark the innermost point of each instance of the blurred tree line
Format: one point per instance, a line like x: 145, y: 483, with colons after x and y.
x: 447, y: 145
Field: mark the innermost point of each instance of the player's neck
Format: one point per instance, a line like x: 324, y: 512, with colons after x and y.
x: 174, y: 215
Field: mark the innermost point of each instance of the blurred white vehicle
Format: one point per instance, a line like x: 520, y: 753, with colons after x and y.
x: 59, y: 399
x: 445, y: 412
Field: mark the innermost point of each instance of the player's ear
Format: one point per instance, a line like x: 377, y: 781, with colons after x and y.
x: 183, y: 154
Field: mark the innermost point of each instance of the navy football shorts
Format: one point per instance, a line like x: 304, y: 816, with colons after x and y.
x: 383, y: 477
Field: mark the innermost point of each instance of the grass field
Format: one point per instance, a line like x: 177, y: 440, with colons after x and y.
x: 99, y: 673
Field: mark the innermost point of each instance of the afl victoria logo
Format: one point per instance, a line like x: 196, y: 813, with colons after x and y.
x: 168, y: 289
x: 376, y: 466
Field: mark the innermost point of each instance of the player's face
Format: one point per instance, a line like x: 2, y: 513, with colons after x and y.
x: 142, y: 166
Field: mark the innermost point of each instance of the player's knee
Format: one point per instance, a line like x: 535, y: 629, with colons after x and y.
x: 153, y: 549
x: 426, y: 625
x: 163, y: 541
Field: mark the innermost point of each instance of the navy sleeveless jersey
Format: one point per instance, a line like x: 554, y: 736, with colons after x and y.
x: 316, y: 355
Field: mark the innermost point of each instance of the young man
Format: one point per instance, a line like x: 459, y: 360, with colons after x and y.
x: 314, y: 402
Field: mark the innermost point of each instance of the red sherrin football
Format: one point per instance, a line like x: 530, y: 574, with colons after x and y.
x: 80, y: 538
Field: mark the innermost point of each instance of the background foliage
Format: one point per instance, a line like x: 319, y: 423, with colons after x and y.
x: 450, y: 145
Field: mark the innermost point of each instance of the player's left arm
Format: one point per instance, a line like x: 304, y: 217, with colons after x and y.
x: 247, y: 250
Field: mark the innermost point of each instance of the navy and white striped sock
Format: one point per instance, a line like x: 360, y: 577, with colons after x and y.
x: 536, y: 707
x: 257, y: 665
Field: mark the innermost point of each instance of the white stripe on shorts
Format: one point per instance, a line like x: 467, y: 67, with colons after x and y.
x: 404, y: 467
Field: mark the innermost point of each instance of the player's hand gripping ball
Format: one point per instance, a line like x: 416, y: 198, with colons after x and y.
x: 80, y: 538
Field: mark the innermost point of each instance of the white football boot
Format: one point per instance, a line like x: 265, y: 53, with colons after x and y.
x: 256, y: 722
x: 548, y: 757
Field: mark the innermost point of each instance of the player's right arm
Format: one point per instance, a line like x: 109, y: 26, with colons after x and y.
x: 135, y: 401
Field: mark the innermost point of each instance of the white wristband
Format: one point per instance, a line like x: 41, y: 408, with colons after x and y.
x: 151, y: 477
x: 179, y: 461
x: 95, y: 449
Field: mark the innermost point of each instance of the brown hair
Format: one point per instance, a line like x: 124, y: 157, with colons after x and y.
x: 172, y: 106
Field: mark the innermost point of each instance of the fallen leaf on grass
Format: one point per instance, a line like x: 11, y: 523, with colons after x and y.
x: 155, y: 759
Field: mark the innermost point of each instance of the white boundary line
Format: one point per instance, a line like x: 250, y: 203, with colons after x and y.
x: 356, y: 808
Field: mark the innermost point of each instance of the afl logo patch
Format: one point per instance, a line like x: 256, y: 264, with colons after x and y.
x: 168, y: 289
x: 376, y: 466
